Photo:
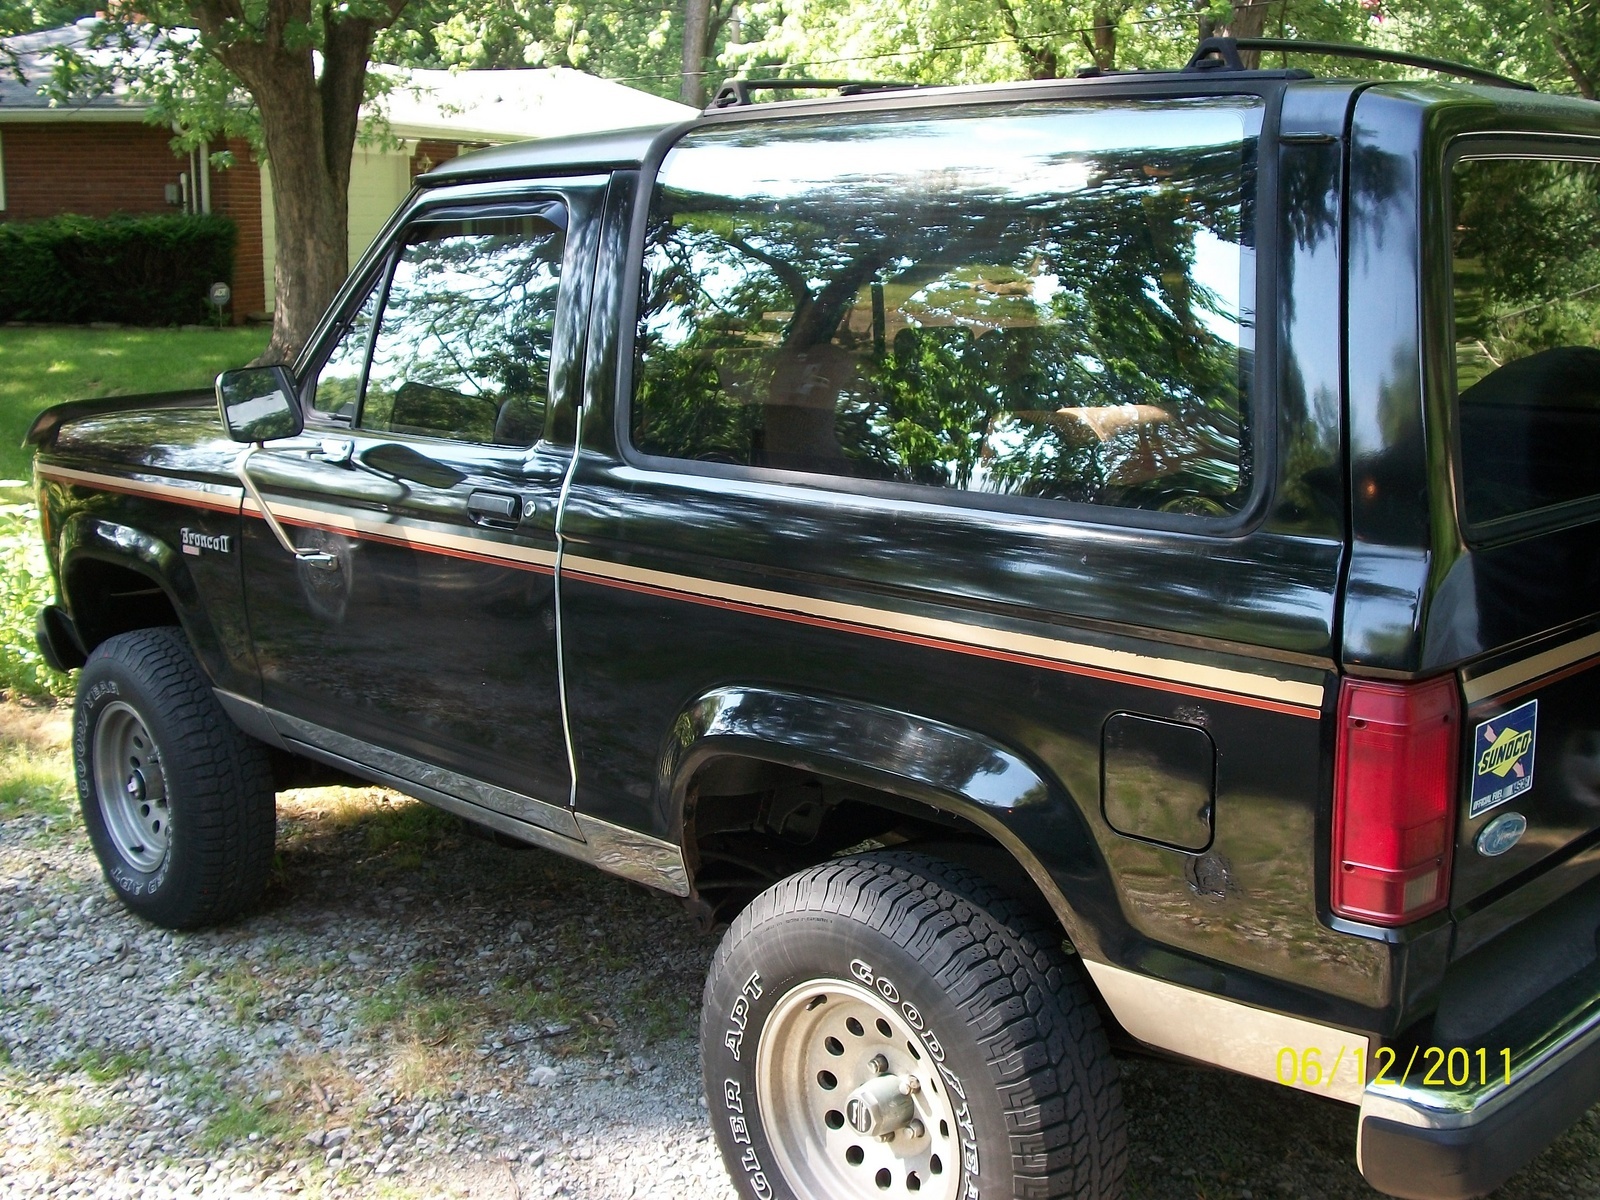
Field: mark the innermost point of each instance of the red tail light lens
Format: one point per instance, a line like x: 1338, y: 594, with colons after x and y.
x: 1394, y: 799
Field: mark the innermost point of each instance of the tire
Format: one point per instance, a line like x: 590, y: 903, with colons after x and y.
x: 841, y: 984
x: 177, y: 800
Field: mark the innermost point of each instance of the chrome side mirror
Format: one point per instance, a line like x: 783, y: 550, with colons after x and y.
x: 259, y: 404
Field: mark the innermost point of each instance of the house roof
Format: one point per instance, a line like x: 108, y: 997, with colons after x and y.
x: 34, y: 58
x: 500, y: 106
x: 459, y: 106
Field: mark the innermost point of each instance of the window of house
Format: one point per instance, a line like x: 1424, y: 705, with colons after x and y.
x: 462, y: 350
x: 1526, y: 283
x: 1047, y: 300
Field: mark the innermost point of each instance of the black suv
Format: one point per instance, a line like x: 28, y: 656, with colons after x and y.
x: 1106, y: 563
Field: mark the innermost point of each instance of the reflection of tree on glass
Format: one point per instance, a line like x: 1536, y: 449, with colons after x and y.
x: 1049, y: 301
x: 1526, y: 259
x: 463, y: 350
x: 339, y: 382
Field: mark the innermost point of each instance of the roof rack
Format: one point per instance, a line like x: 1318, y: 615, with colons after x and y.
x: 735, y: 93
x: 1222, y: 53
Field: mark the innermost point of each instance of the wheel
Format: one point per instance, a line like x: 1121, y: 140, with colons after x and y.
x: 177, y: 801
x: 892, y: 1024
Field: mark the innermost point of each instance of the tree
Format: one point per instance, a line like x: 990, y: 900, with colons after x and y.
x: 291, y: 74
x: 638, y: 43
x: 1554, y: 44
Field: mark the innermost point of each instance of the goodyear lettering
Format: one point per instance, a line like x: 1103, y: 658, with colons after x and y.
x: 869, y: 976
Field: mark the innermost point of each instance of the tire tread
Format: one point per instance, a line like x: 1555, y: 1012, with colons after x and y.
x: 1026, y: 1004
x: 230, y: 812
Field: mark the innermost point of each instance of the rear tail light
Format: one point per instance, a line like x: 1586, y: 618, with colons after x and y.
x: 1394, y: 799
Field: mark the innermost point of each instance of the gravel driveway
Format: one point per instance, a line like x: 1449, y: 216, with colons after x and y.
x: 413, y: 1012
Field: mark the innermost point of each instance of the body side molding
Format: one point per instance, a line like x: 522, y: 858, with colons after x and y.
x: 1215, y: 1030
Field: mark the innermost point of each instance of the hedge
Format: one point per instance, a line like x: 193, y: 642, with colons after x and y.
x: 135, y: 270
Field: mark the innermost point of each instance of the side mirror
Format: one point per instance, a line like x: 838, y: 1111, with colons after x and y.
x: 259, y: 404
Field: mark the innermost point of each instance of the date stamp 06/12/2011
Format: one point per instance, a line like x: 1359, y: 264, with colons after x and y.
x: 1426, y: 1066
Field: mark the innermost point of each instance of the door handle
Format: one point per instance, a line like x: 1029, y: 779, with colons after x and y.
x: 495, y: 507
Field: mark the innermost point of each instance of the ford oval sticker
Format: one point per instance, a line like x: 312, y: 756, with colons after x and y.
x: 1502, y: 833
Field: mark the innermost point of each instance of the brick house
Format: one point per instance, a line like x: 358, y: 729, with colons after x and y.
x: 100, y: 156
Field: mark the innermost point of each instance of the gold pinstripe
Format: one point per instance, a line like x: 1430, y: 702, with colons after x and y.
x: 1308, y: 696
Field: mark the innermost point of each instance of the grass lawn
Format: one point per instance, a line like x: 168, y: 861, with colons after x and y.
x: 44, y: 365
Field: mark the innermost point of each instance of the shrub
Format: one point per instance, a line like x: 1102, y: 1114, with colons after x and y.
x: 135, y: 270
x: 25, y: 584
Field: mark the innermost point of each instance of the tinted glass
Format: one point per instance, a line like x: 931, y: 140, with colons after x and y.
x: 338, y: 391
x: 1043, y: 300
x: 463, y: 350
x: 1527, y: 333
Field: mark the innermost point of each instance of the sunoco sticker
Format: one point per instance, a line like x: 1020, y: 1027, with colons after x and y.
x: 1502, y: 757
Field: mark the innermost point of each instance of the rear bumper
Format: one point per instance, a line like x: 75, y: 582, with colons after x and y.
x: 1426, y: 1143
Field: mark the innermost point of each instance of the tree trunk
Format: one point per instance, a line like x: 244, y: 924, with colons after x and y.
x: 1249, y: 20
x: 308, y: 125
x: 1582, y: 79
x: 1103, y: 49
x: 1042, y: 60
x: 696, y: 31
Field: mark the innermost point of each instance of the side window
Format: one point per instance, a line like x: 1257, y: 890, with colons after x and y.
x: 338, y: 393
x: 463, y: 347
x: 1526, y: 282
x: 1046, y: 300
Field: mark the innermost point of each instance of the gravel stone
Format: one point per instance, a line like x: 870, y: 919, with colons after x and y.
x: 458, y: 1019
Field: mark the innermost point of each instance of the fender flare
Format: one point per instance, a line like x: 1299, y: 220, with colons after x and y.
x: 952, y: 770
x: 85, y: 537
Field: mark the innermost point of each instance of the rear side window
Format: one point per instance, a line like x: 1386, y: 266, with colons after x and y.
x: 1526, y: 278
x: 1046, y: 300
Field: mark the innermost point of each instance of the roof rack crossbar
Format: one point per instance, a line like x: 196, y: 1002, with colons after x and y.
x: 735, y: 93
x: 1223, y: 53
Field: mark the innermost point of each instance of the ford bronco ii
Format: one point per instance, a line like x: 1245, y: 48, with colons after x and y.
x: 1058, y: 570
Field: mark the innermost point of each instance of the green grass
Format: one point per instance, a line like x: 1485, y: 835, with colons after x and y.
x: 44, y: 365
x: 35, y: 768
x: 25, y: 584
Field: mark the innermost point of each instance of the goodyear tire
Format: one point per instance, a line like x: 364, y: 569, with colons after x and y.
x: 177, y: 801
x: 893, y: 1025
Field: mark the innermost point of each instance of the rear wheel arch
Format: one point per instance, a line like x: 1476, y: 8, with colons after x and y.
x: 747, y: 770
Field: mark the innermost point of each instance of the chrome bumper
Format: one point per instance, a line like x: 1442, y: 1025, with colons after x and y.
x: 1451, y: 1142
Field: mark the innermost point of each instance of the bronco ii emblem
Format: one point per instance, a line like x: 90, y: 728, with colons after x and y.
x: 194, y: 542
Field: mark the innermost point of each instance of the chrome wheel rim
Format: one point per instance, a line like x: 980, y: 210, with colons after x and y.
x: 832, y: 1048
x: 131, y: 787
